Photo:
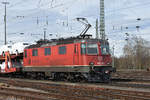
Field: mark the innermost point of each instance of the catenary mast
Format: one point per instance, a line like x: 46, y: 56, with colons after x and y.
x: 102, y: 20
x: 97, y: 32
x: 5, y: 3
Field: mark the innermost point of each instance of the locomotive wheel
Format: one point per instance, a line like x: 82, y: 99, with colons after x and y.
x: 106, y: 78
x: 70, y: 77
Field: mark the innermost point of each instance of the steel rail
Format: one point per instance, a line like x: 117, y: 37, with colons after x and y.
x: 75, y: 91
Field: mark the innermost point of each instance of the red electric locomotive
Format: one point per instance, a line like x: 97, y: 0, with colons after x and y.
x: 74, y: 58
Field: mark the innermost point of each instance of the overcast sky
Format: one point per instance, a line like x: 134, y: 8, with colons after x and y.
x: 58, y: 17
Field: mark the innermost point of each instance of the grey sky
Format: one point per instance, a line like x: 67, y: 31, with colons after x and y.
x: 61, y: 15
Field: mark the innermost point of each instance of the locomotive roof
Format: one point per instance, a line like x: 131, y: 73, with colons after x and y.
x: 44, y: 43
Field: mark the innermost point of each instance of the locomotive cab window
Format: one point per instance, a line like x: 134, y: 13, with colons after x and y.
x: 83, y: 48
x: 34, y: 52
x: 92, y: 48
x: 47, y: 51
x: 105, y: 49
x: 62, y: 50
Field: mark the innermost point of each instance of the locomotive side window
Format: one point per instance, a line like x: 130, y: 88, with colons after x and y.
x: 92, y: 48
x: 25, y: 54
x: 34, y: 52
x: 47, y: 51
x: 62, y: 50
x: 83, y: 48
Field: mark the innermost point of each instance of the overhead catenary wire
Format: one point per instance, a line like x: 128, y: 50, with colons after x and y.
x: 126, y: 8
x: 132, y: 24
x: 31, y: 15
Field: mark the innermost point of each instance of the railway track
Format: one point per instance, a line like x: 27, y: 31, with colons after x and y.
x: 139, y: 75
x: 21, y: 94
x: 46, y: 90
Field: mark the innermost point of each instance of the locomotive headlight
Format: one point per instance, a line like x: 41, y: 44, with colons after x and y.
x: 91, y: 63
x: 108, y: 63
x: 106, y: 71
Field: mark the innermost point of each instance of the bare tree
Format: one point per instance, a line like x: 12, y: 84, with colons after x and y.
x: 136, y: 54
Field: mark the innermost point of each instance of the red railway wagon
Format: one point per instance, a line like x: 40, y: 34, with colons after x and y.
x: 73, y: 58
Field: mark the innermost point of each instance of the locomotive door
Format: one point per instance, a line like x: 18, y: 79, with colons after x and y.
x: 76, y: 55
x: 29, y: 58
